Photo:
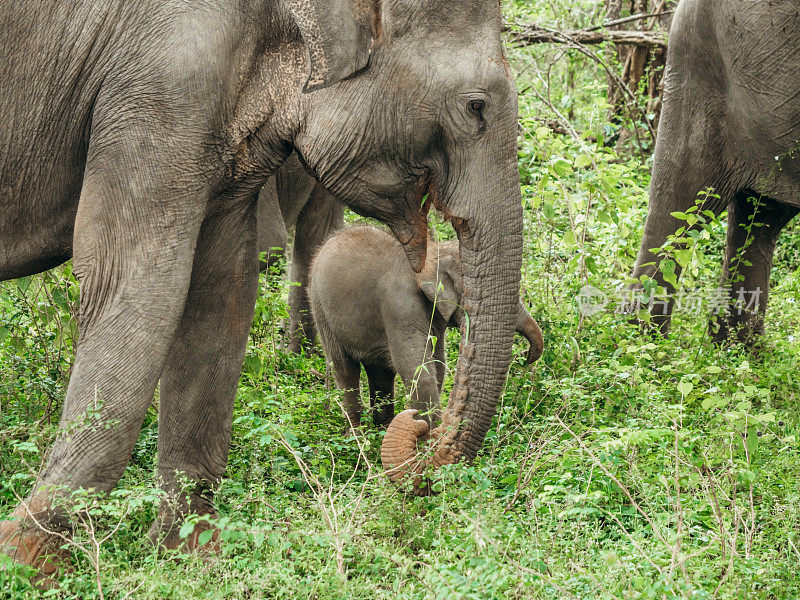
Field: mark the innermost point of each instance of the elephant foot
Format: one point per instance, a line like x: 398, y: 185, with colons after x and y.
x: 165, y: 534
x: 353, y: 429
x: 29, y: 545
x: 750, y: 335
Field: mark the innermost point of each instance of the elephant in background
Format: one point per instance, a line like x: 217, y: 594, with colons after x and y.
x: 136, y: 137
x: 294, y: 199
x: 731, y: 122
x: 371, y: 309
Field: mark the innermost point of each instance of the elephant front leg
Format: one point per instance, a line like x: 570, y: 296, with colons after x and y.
x: 134, y: 240
x: 412, y: 354
x: 199, y: 381
x: 688, y: 161
x: 753, y: 228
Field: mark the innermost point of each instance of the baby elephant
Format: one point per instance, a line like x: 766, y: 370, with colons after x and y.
x: 371, y: 308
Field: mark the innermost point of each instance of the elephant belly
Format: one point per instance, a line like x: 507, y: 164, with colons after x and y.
x: 51, y: 73
x: 378, y: 355
x: 41, y: 174
x: 760, y: 48
x: 368, y: 345
x: 36, y: 230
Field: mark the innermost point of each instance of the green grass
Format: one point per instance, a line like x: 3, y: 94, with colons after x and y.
x: 621, y: 465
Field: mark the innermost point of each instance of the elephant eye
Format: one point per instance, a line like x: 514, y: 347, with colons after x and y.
x: 475, y: 107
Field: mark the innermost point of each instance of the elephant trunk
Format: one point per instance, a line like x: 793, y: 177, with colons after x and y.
x: 530, y: 330
x: 486, y: 211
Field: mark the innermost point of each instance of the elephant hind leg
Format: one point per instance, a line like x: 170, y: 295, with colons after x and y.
x: 198, y: 383
x: 321, y: 216
x: 347, y: 373
x: 381, y: 394
x: 272, y: 234
x: 754, y: 224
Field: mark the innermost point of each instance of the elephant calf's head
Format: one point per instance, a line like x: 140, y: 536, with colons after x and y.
x: 441, y: 282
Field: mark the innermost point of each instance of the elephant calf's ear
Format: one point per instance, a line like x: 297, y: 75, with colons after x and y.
x: 440, y: 288
x: 338, y: 35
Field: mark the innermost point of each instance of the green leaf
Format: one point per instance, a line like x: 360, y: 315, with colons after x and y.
x: 683, y: 257
x: 747, y: 476
x: 23, y: 283
x: 560, y: 167
x: 186, y: 530
x: 667, y: 268
x: 685, y: 387
x: 254, y: 365
x: 604, y: 217
x: 582, y: 161
x: 205, y: 537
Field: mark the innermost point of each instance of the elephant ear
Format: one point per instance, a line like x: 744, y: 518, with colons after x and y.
x: 338, y: 35
x: 439, y: 286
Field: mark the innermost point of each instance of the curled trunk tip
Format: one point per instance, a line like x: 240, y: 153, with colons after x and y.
x: 399, y: 449
x: 530, y: 330
x: 533, y: 333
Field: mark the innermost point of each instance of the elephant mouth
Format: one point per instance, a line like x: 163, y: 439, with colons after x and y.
x: 412, y: 231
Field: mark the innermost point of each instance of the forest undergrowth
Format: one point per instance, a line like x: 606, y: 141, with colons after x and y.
x: 621, y: 465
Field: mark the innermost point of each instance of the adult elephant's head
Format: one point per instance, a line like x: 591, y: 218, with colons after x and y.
x: 424, y: 112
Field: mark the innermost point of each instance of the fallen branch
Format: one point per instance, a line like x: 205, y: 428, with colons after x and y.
x: 536, y: 34
x: 616, y: 22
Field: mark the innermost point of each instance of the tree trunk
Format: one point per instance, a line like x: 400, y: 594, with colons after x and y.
x: 642, y: 65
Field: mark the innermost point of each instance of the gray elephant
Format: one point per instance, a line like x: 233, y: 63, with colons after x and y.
x: 371, y: 309
x: 135, y: 139
x: 731, y: 122
x: 293, y: 199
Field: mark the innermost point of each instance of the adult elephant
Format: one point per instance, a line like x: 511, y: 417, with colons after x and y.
x: 135, y: 137
x: 293, y: 199
x: 731, y: 122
